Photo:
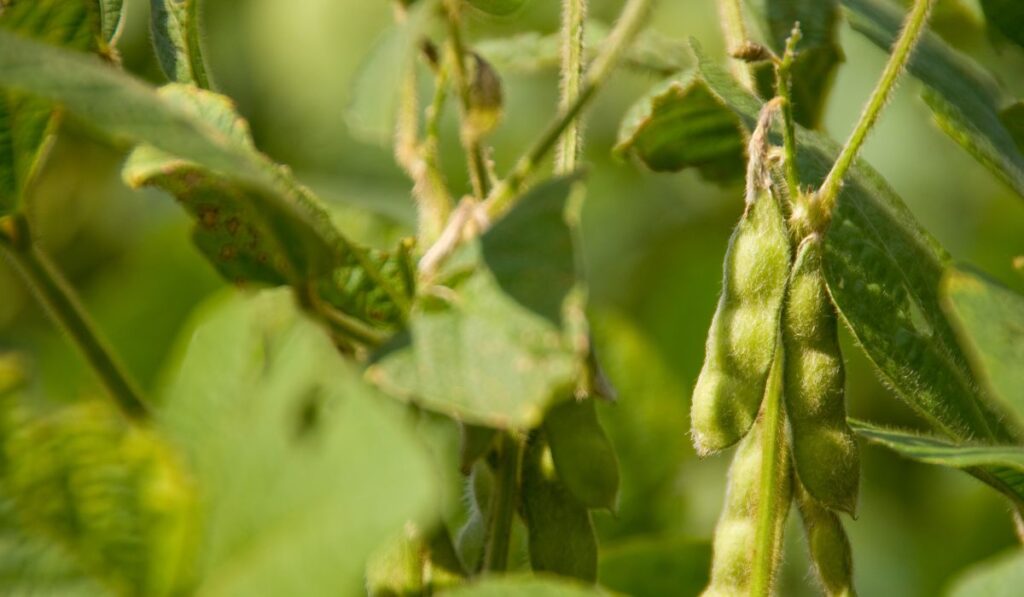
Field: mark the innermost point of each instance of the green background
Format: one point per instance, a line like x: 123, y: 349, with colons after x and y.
x: 654, y: 246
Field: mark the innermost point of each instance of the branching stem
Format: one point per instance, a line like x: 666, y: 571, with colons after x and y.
x: 477, y: 163
x: 574, y: 14
x: 507, y: 192
x: 63, y: 305
x: 784, y: 88
x: 730, y: 14
x: 913, y: 29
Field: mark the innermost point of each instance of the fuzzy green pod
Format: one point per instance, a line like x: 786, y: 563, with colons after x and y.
x: 561, y: 534
x: 742, y: 339
x: 825, y: 452
x: 733, y: 548
x: 583, y: 455
x: 828, y: 546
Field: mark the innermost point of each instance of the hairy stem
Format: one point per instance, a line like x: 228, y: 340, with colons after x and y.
x: 735, y: 31
x: 784, y: 88
x: 628, y: 25
x: 503, y: 504
x: 470, y: 140
x: 774, y: 469
x: 574, y: 13
x: 63, y: 305
x: 912, y: 30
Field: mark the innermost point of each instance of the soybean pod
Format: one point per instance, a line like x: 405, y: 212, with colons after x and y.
x: 741, y: 343
x: 735, y: 548
x: 828, y: 545
x: 825, y: 452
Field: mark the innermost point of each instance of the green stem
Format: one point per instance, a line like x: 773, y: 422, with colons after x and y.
x: 912, y: 30
x: 628, y: 25
x: 574, y: 14
x: 735, y: 31
x: 773, y: 481
x: 470, y: 140
x: 503, y: 504
x: 784, y: 88
x: 63, y: 305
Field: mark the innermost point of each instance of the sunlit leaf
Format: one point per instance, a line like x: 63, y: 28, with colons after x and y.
x: 681, y: 124
x: 497, y: 345
x: 818, y: 53
x: 175, y: 27
x: 1001, y: 576
x: 965, y: 99
x: 884, y: 272
x: 27, y: 122
x: 1002, y: 467
x: 304, y: 470
x: 650, y: 567
x: 989, y: 320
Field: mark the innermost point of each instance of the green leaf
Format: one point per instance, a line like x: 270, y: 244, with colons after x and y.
x: 561, y: 535
x: 175, y: 27
x: 1002, y: 467
x: 529, y: 52
x: 178, y: 122
x: 681, y: 124
x: 499, y: 343
x: 372, y: 113
x: 965, y: 99
x: 112, y: 18
x: 115, y: 496
x: 304, y: 470
x: 1001, y: 576
x: 521, y: 585
x: 651, y: 567
x: 232, y: 228
x: 31, y: 565
x: 499, y: 8
x: 275, y: 236
x: 27, y: 122
x: 584, y: 457
x: 202, y: 130
x: 1007, y: 17
x: 818, y: 53
x: 883, y: 272
x: 989, y: 321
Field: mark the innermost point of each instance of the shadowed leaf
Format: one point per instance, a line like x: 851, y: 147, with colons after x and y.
x: 681, y: 124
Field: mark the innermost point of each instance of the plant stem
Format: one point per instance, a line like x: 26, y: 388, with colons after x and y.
x: 628, y: 25
x: 470, y: 140
x: 735, y: 31
x: 63, y: 305
x: 503, y: 504
x: 784, y: 88
x: 773, y: 481
x: 912, y: 30
x: 574, y: 14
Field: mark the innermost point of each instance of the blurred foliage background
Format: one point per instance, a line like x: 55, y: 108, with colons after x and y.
x: 654, y: 246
